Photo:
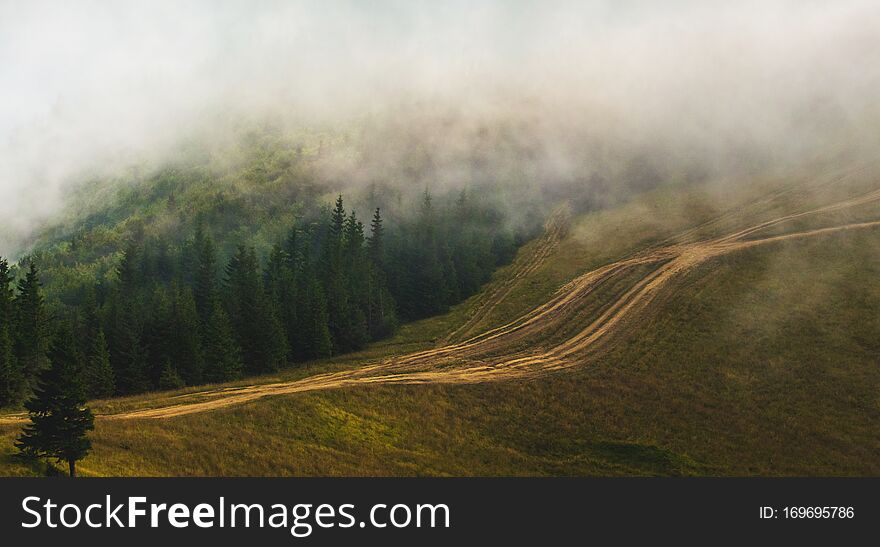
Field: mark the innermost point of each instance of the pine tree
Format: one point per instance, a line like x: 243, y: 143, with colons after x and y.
x: 381, y: 320
x: 336, y: 229
x: 128, y: 348
x: 376, y: 241
x: 356, y: 276
x: 222, y: 354
x: 158, y: 333
x: 258, y: 330
x: 428, y: 282
x: 335, y: 290
x: 293, y: 248
x: 7, y: 312
x: 10, y: 377
x: 169, y: 378
x: 97, y: 373
x: 450, y: 290
x: 59, y: 421
x: 130, y: 355
x: 317, y: 341
x: 99, y: 377
x: 186, y: 337
x: 312, y: 321
x: 31, y: 339
x: 205, y: 276
x: 280, y: 290
x: 289, y: 283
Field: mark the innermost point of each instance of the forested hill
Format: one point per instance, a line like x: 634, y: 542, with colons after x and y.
x: 207, y: 270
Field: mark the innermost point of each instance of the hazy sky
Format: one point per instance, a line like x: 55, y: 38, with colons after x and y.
x: 87, y: 84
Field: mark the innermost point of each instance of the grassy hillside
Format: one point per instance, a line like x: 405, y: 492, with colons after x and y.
x: 762, y: 361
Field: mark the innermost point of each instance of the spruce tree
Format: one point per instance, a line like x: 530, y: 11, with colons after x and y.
x: 169, y: 377
x: 312, y: 321
x: 317, y: 342
x: 31, y: 339
x: 258, y: 330
x: 10, y: 377
x: 429, y: 283
x: 99, y: 378
x: 128, y: 347
x: 7, y: 312
x: 158, y: 333
x: 222, y: 355
x: 130, y: 355
x: 297, y: 256
x: 186, y: 336
x: 205, y: 276
x: 356, y: 274
x: 335, y: 290
x: 280, y: 289
x: 293, y: 248
x: 376, y: 241
x: 59, y: 421
x: 381, y: 319
x: 10, y: 380
x: 450, y: 290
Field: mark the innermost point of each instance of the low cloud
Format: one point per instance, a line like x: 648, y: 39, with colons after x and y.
x: 590, y: 89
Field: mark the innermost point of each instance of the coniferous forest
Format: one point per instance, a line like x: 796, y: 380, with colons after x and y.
x: 174, y: 312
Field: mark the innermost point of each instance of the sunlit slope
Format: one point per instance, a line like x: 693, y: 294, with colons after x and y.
x: 761, y: 359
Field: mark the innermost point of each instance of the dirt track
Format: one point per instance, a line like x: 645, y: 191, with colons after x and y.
x: 555, y: 230
x: 566, y: 331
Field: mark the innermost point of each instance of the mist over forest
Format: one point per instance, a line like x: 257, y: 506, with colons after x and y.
x: 454, y: 238
x: 551, y: 99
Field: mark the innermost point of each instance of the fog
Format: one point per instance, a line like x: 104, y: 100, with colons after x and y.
x: 701, y: 88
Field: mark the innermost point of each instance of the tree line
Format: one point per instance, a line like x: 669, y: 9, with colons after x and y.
x: 173, y: 315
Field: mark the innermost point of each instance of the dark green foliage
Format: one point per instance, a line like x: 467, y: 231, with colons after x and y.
x: 380, y: 315
x: 31, y: 339
x: 222, y: 354
x: 98, y: 377
x: 98, y: 374
x: 280, y: 288
x: 169, y: 378
x: 205, y: 285
x: 129, y: 321
x: 164, y: 320
x: 257, y: 328
x: 185, y: 342
x: 59, y: 421
x: 10, y: 375
x: 335, y: 288
x: 131, y: 362
x: 158, y: 332
x: 423, y: 286
x: 313, y: 320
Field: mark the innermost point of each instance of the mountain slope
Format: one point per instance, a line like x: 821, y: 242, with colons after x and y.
x: 700, y: 343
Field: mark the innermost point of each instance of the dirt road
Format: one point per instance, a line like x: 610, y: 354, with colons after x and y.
x: 566, y: 331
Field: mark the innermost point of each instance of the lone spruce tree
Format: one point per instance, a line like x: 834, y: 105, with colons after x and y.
x: 59, y: 419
